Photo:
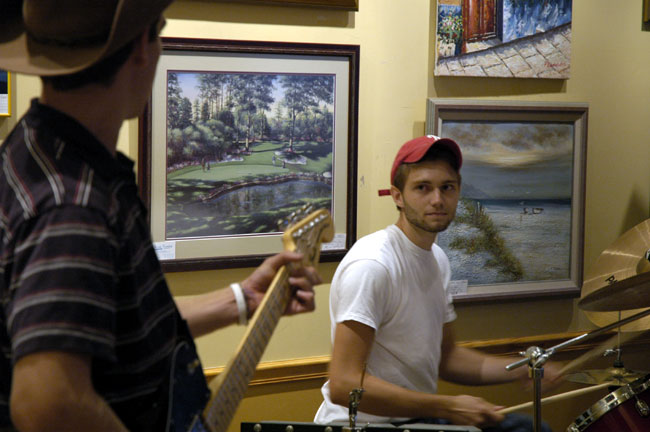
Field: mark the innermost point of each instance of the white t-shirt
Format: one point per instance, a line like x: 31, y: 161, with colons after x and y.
x: 399, y: 289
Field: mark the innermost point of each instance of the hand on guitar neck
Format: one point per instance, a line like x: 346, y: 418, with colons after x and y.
x: 281, y: 285
x: 301, y: 278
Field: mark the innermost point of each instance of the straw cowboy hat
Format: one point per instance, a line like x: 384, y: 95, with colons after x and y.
x: 59, y: 37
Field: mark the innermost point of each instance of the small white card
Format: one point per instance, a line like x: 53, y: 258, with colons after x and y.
x: 457, y: 287
x: 165, y: 250
x: 338, y: 242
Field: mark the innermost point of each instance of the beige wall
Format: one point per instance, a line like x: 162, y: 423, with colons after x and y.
x: 609, y: 71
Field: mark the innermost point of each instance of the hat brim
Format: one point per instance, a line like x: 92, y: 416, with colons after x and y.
x: 21, y: 53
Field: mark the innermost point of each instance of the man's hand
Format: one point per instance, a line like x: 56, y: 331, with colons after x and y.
x: 301, y: 278
x: 471, y: 410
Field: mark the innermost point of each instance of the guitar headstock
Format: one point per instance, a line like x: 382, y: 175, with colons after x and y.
x: 305, y: 230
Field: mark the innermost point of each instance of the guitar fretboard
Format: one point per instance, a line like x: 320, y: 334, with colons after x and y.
x: 229, y: 388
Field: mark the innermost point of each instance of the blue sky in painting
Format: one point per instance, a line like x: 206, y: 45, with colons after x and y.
x: 3, y: 76
x: 514, y: 160
x: 189, y: 82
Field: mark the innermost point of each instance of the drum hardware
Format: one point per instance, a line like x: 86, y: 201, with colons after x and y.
x: 617, y: 376
x: 536, y: 357
x: 355, y: 398
x: 280, y: 426
x: 625, y: 409
x: 353, y: 404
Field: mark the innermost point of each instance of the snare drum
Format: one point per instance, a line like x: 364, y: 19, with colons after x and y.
x: 626, y: 409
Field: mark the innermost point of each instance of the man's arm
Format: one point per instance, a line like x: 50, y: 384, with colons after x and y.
x: 352, y: 344
x: 471, y: 367
x: 54, y: 391
x: 217, y: 309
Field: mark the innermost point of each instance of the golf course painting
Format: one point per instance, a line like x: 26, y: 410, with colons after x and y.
x: 245, y: 149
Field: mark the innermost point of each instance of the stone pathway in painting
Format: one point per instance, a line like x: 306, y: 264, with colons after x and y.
x: 544, y: 55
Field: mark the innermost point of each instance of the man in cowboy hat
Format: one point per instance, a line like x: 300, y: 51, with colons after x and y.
x: 88, y: 323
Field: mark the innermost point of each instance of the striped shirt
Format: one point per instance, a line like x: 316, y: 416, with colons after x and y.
x: 78, y: 272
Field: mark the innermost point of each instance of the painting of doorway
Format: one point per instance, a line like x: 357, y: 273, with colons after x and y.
x: 503, y: 38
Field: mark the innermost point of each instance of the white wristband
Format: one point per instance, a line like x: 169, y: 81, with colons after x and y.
x: 241, y: 303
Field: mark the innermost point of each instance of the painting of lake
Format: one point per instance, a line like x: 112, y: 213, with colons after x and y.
x: 513, y: 222
x: 245, y: 150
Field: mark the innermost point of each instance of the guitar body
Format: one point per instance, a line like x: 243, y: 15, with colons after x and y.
x: 188, y: 392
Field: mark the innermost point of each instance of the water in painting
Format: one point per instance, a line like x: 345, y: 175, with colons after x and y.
x: 514, y: 219
x: 245, y: 149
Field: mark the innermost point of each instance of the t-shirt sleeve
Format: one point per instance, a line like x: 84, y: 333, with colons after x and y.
x: 62, y: 282
x: 445, y: 274
x: 362, y: 292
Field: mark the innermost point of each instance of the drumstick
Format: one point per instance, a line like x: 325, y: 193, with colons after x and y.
x: 554, y: 398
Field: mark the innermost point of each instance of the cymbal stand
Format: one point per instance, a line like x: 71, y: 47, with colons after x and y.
x: 618, y: 362
x: 535, y: 358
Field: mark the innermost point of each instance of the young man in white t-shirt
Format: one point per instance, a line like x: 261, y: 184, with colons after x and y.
x: 392, y: 316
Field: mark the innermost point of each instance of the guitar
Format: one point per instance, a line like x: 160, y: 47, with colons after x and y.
x: 186, y: 405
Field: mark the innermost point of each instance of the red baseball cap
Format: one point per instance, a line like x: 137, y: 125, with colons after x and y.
x: 415, y: 149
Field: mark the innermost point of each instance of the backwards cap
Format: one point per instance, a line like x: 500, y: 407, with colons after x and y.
x: 415, y: 149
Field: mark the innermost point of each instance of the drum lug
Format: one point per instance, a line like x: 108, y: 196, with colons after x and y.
x: 642, y: 408
x: 572, y: 428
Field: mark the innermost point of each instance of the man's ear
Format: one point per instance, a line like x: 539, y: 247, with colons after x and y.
x: 397, y: 196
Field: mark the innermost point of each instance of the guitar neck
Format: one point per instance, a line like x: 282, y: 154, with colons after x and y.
x: 230, y: 386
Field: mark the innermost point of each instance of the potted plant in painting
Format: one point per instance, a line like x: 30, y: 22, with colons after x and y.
x: 450, y: 35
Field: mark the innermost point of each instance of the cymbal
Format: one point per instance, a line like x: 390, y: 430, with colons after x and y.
x: 627, y: 294
x: 615, y: 375
x: 620, y: 298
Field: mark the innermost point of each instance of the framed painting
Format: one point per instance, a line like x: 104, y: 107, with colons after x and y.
x: 503, y: 38
x: 5, y: 93
x: 519, y: 226
x: 352, y: 5
x: 238, y: 135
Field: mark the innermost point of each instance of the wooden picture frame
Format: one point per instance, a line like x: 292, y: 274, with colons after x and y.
x: 350, y: 5
x: 519, y: 228
x: 215, y: 182
x: 5, y: 93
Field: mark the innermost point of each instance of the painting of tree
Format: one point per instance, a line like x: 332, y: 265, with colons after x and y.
x: 245, y: 149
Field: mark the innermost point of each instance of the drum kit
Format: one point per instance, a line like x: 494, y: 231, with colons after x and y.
x: 616, y: 296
